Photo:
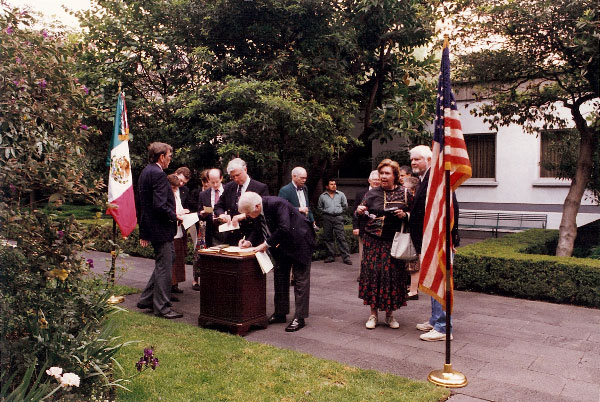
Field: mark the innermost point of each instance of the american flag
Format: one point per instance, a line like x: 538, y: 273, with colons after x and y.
x: 449, y: 153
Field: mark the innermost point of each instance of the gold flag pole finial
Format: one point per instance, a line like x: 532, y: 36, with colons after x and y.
x: 119, y: 86
x: 446, y: 41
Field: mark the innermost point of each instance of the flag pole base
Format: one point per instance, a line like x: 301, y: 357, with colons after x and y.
x: 447, y: 377
x: 115, y: 299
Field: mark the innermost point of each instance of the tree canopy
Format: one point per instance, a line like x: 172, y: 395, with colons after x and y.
x: 310, y: 64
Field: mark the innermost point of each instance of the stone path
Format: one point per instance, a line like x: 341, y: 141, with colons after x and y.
x: 509, y: 349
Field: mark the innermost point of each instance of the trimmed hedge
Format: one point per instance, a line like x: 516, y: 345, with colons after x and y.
x: 503, y: 266
x: 101, y: 236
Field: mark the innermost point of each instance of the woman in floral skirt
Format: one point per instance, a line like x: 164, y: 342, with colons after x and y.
x: 383, y: 279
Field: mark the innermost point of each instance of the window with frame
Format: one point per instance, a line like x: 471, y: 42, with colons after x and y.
x: 557, y: 149
x: 482, y: 153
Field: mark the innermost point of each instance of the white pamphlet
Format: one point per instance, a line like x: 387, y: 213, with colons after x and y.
x: 190, y: 219
x: 264, y: 261
x: 228, y: 226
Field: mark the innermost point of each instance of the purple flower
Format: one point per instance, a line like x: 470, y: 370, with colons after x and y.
x: 148, y: 354
x: 42, y: 83
x: 139, y: 365
x: 18, y: 60
x: 44, y: 33
x: 83, y: 127
x: 9, y: 30
x: 154, y: 363
x: 85, y: 89
x: 61, y: 234
x: 90, y: 262
x: 12, y: 188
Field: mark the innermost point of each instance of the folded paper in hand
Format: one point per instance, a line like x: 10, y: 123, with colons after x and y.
x: 264, y: 261
x: 190, y: 219
x: 227, y: 227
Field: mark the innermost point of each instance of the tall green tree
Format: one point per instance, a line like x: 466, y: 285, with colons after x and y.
x: 265, y: 122
x: 537, y: 55
x: 140, y: 44
x: 388, y: 32
x: 303, y: 47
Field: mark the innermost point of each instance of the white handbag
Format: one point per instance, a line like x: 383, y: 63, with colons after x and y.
x: 402, y: 246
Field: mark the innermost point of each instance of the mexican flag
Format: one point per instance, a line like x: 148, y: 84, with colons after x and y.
x: 121, y: 201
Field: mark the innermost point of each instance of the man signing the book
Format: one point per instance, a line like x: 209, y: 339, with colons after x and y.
x: 290, y: 238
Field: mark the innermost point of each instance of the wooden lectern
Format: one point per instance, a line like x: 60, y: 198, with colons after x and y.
x: 233, y: 292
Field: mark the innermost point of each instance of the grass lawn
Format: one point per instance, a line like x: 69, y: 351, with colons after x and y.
x: 204, y: 365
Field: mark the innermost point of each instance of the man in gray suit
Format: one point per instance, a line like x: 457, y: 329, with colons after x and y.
x: 158, y: 226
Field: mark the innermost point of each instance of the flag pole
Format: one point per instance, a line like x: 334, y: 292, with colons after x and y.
x: 447, y: 377
x: 114, y: 299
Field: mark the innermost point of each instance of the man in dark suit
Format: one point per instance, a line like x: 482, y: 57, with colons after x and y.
x: 226, y: 209
x: 208, y: 198
x: 158, y: 225
x: 290, y: 238
x: 359, y: 221
x: 297, y: 194
x: 420, y: 160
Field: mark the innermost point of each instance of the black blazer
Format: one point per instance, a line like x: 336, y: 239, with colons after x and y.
x: 228, y: 203
x: 228, y: 200
x: 156, y: 212
x: 211, y: 225
x: 417, y: 215
x: 359, y: 221
x: 186, y: 199
x: 291, y: 232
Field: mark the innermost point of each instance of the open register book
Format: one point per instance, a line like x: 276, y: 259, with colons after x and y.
x: 266, y: 265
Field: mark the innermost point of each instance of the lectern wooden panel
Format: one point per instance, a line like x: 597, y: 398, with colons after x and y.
x: 232, y: 292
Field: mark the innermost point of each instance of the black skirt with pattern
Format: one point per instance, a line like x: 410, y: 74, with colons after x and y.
x: 383, y: 279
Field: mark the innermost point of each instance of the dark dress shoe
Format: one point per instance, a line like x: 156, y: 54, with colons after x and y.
x: 174, y: 299
x: 348, y: 262
x: 169, y: 304
x: 175, y: 289
x: 196, y: 287
x: 295, y: 325
x: 170, y: 315
x: 413, y: 297
x: 143, y: 306
x: 277, y: 319
x: 328, y: 260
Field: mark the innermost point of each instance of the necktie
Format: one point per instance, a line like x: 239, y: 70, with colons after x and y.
x: 216, y: 196
x: 265, y: 229
x: 239, y: 192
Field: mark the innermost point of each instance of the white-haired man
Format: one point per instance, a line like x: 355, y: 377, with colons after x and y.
x: 290, y: 238
x: 296, y: 193
x: 226, y: 209
x: 420, y: 161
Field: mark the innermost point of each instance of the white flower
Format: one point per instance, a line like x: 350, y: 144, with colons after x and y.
x: 54, y: 372
x: 69, y: 380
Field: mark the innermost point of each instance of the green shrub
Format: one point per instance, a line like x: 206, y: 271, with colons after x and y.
x: 50, y: 309
x: 503, y: 266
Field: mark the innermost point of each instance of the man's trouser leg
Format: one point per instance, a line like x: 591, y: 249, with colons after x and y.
x: 340, y: 236
x: 158, y: 288
x: 328, y: 227
x: 301, y: 289
x: 281, y: 278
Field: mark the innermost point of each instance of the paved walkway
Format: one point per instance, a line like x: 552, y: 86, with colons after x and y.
x: 509, y: 349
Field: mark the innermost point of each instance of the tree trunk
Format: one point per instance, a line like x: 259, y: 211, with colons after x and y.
x: 567, y: 232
